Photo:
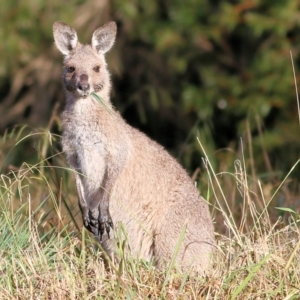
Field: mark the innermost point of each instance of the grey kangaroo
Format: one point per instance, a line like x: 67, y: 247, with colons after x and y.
x: 121, y: 175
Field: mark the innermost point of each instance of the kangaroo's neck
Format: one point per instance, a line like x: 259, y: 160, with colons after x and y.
x: 89, y: 109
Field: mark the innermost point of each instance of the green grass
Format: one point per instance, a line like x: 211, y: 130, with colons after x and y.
x: 45, y: 253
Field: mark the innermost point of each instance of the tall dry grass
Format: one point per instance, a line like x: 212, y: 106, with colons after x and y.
x: 45, y: 253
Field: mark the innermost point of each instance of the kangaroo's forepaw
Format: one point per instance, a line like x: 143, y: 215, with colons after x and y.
x: 91, y: 224
x: 105, y: 223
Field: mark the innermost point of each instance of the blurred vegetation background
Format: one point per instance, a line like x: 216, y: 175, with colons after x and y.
x: 219, y: 70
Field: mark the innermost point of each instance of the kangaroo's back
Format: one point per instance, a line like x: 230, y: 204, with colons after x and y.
x: 121, y: 175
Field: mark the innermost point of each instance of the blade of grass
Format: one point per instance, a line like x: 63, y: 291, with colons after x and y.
x: 172, y: 263
x: 296, y: 89
x: 102, y: 102
x: 230, y: 218
x: 249, y: 277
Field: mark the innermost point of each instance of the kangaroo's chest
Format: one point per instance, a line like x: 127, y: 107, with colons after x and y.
x: 96, y: 146
x: 82, y: 138
x: 84, y: 145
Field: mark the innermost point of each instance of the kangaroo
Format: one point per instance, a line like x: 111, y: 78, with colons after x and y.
x: 121, y: 175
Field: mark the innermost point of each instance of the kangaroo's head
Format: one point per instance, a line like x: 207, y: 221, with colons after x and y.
x: 85, y: 69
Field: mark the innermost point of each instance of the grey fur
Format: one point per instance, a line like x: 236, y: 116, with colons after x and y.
x: 122, y: 175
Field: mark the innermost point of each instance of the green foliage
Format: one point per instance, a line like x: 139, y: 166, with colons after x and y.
x: 214, y: 66
x: 220, y: 63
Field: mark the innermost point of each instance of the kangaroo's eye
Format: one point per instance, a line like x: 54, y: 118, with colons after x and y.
x: 70, y: 69
x: 96, y: 69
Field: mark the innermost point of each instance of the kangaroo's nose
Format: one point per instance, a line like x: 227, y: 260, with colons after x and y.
x: 83, y: 84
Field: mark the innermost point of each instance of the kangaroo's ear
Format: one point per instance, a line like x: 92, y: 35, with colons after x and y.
x: 65, y: 37
x: 104, y: 37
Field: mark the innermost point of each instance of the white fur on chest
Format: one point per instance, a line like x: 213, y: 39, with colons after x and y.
x: 83, y: 142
